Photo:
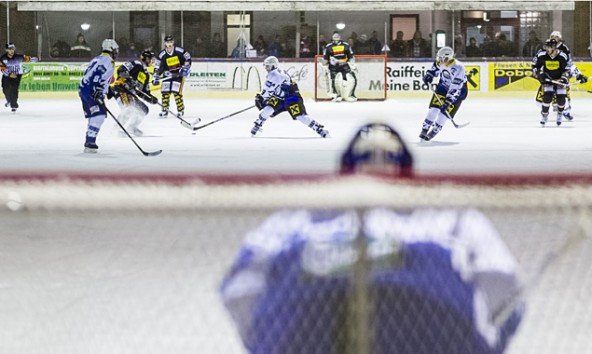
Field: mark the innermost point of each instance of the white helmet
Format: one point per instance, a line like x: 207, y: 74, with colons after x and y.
x: 555, y: 35
x: 109, y: 45
x: 336, y: 37
x: 271, y: 63
x: 445, y: 54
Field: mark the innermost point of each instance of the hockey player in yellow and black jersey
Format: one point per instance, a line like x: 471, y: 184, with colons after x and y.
x: 340, y: 60
x: 171, y: 67
x: 552, y: 68
x: 133, y: 82
x: 11, y: 65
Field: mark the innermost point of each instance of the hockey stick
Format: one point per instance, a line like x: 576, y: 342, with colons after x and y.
x: 183, y: 122
x: 225, y: 117
x: 448, y: 114
x: 145, y: 153
x: 561, y: 83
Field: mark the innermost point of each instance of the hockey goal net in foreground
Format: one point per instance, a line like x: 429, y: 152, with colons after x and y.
x: 371, y: 78
x: 149, y: 264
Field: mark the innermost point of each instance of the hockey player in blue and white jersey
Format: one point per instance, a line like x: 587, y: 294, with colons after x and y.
x: 281, y: 94
x: 93, y: 88
x: 438, y: 280
x: 451, y: 91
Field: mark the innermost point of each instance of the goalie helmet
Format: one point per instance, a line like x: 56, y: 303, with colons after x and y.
x: 109, y: 45
x: 271, y: 63
x: 377, y: 149
x: 445, y: 54
x: 336, y: 37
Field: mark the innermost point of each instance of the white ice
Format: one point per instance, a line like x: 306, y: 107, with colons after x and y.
x: 504, y: 136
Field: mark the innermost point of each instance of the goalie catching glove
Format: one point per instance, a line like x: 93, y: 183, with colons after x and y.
x: 259, y: 102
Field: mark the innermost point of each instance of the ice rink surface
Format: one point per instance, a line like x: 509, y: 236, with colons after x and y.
x: 504, y: 136
x: 131, y: 282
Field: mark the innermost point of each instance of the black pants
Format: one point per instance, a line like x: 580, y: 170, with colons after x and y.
x: 10, y: 88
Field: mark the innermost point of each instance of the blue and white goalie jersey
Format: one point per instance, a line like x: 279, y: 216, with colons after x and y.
x: 439, y: 280
x: 98, y: 75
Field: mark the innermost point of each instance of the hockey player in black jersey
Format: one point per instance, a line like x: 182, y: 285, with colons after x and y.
x: 552, y: 68
x: 12, y: 72
x: 133, y: 82
x: 172, y: 65
x: 574, y: 72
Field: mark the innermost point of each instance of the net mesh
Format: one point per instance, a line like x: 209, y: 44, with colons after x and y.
x: 137, y: 264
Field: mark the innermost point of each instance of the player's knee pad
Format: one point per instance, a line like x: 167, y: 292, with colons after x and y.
x: 548, y: 97
x: 561, y: 99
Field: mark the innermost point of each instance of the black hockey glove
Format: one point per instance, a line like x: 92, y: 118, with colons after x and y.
x: 259, y: 102
x: 564, y: 81
x: 582, y: 78
x: 543, y: 77
x: 110, y: 93
x: 155, y: 79
x: 445, y: 105
x: 428, y: 78
x: 152, y: 99
x: 98, y: 97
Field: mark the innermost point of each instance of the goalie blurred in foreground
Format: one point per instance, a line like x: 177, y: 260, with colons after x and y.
x: 374, y: 280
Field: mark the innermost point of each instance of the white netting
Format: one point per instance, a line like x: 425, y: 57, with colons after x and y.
x: 134, y: 265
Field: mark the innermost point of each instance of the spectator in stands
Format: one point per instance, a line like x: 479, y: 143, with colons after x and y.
x: 124, y: 47
x: 201, y: 49
x: 505, y: 48
x: 472, y: 50
x: 217, y: 47
x: 459, y: 46
x: 532, y: 46
x: 132, y: 52
x: 354, y: 39
x: 374, y: 43
x: 80, y: 49
x: 364, y: 45
x: 352, y: 44
x: 276, y: 48
x: 399, y: 46
x: 240, y: 51
x: 260, y: 45
x: 60, y: 49
x: 306, y: 46
x: 418, y: 47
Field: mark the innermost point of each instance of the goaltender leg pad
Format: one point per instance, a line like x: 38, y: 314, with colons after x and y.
x: 349, y: 85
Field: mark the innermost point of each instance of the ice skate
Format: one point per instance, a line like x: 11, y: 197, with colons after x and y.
x: 137, y: 132
x: 91, y: 148
x: 257, y: 128
x: 180, y: 114
x: 424, y: 135
x: 544, y: 117
x: 324, y: 133
x: 163, y: 114
x: 7, y: 104
x: 559, y: 118
x: 13, y: 110
x: 337, y: 99
x: 567, y: 116
x: 351, y: 99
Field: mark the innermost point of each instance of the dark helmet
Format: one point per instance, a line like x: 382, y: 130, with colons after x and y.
x: 146, y: 55
x: 168, y: 38
x: 551, y: 42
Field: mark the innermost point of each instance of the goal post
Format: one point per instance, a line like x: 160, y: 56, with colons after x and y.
x: 152, y: 263
x: 371, y: 78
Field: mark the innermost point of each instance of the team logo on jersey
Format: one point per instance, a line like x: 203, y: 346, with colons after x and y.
x: 338, y: 50
x: 552, y: 64
x: 173, y: 62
